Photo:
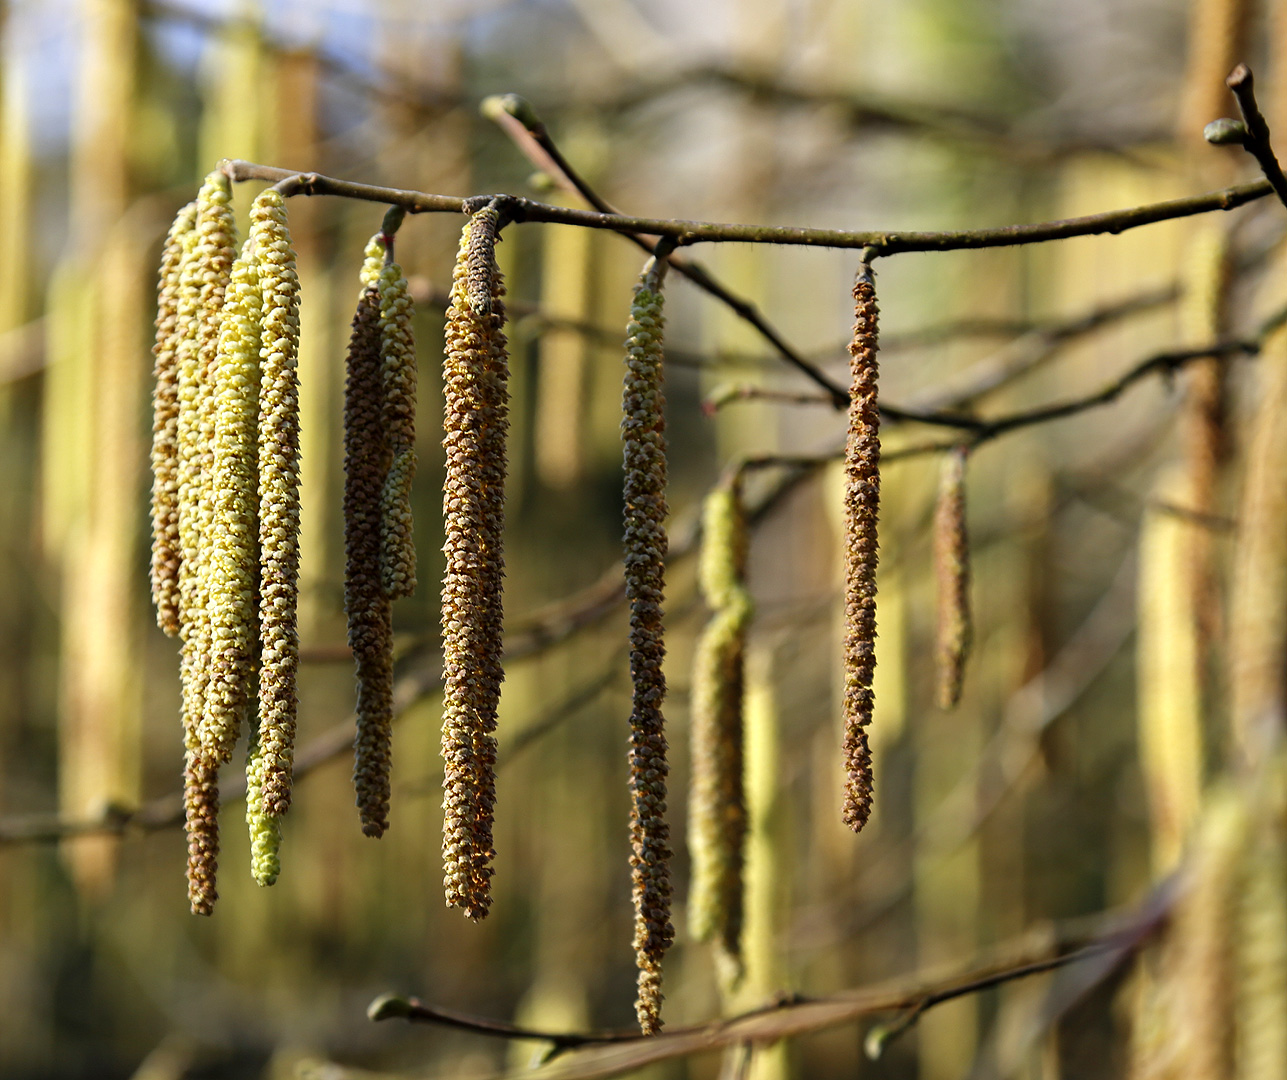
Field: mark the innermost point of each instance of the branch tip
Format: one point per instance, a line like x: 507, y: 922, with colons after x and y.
x: 389, y: 1007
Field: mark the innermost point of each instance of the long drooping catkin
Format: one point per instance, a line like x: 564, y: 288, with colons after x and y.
x: 234, y: 553
x: 203, y: 283
x: 398, y: 377
x: 644, y: 434
x: 475, y: 377
x: 264, y: 828
x: 180, y: 247
x: 952, y: 571
x: 369, y: 611
x: 278, y: 489
x: 862, y: 509
x: 717, y: 819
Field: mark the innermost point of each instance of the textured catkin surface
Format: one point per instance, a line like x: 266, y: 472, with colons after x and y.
x: 952, y: 571
x: 369, y: 612
x: 278, y: 490
x: 717, y: 821
x: 643, y: 432
x: 862, y: 509
x: 475, y: 376
x: 171, y: 331
x: 398, y: 378
x: 234, y: 557
x: 264, y: 829
x: 201, y: 821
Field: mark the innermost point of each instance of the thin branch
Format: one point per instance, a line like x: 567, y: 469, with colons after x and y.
x: 878, y: 243
x: 516, y: 117
x: 1256, y: 141
x: 611, y: 1053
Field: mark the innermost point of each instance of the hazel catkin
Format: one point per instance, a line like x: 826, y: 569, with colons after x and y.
x: 264, y: 828
x: 278, y: 491
x: 643, y: 433
x: 398, y: 379
x: 862, y: 509
x: 171, y: 330
x: 952, y: 573
x: 475, y: 378
x: 717, y: 816
x: 367, y: 607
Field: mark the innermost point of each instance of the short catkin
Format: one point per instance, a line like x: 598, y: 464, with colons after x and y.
x: 475, y: 380
x: 368, y: 609
x: 717, y: 817
x: 862, y: 509
x: 278, y: 493
x: 171, y: 330
x: 952, y: 572
x: 645, y: 541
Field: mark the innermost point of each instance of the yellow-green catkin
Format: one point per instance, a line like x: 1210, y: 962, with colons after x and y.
x: 475, y: 381
x: 862, y: 510
x: 717, y: 815
x: 203, y: 282
x: 265, y: 828
x: 180, y: 246
x: 952, y: 573
x: 643, y: 429
x: 368, y: 609
x: 278, y: 491
x: 398, y: 377
x: 234, y: 555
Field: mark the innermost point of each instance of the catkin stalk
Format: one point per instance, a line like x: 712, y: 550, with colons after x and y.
x: 643, y: 431
x: 476, y: 376
x: 862, y: 508
x: 717, y: 816
x: 952, y: 571
x: 278, y: 490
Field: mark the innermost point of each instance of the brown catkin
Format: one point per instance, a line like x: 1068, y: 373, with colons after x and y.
x: 644, y: 435
x: 180, y: 247
x: 952, y: 572
x: 201, y: 821
x: 862, y: 509
x: 370, y: 620
x: 278, y: 488
x: 398, y: 378
x: 717, y: 817
x: 475, y: 377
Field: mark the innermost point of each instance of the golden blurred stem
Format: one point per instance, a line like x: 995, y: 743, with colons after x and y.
x: 234, y: 121
x: 1167, y: 680
x: 15, y: 189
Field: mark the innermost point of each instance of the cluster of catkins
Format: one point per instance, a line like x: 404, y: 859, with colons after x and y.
x: 225, y: 510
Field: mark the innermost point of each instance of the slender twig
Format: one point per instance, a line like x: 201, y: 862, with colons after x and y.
x: 516, y: 117
x: 603, y: 1054
x: 877, y: 243
x: 1256, y: 142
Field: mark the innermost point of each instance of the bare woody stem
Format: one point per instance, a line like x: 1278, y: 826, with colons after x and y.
x: 1257, y: 143
x: 684, y: 233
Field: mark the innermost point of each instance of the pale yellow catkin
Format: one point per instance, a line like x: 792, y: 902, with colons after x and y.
x: 278, y: 493
x: 234, y: 560
x: 644, y: 435
x: 171, y: 331
x: 717, y: 815
x: 265, y: 829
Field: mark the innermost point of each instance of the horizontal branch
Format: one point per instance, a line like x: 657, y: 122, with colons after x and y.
x: 611, y: 1053
x: 876, y: 242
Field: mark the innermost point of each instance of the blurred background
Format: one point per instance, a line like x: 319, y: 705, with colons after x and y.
x: 1128, y: 561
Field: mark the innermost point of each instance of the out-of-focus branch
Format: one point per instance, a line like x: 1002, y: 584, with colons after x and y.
x: 875, y: 243
x: 604, y: 1054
